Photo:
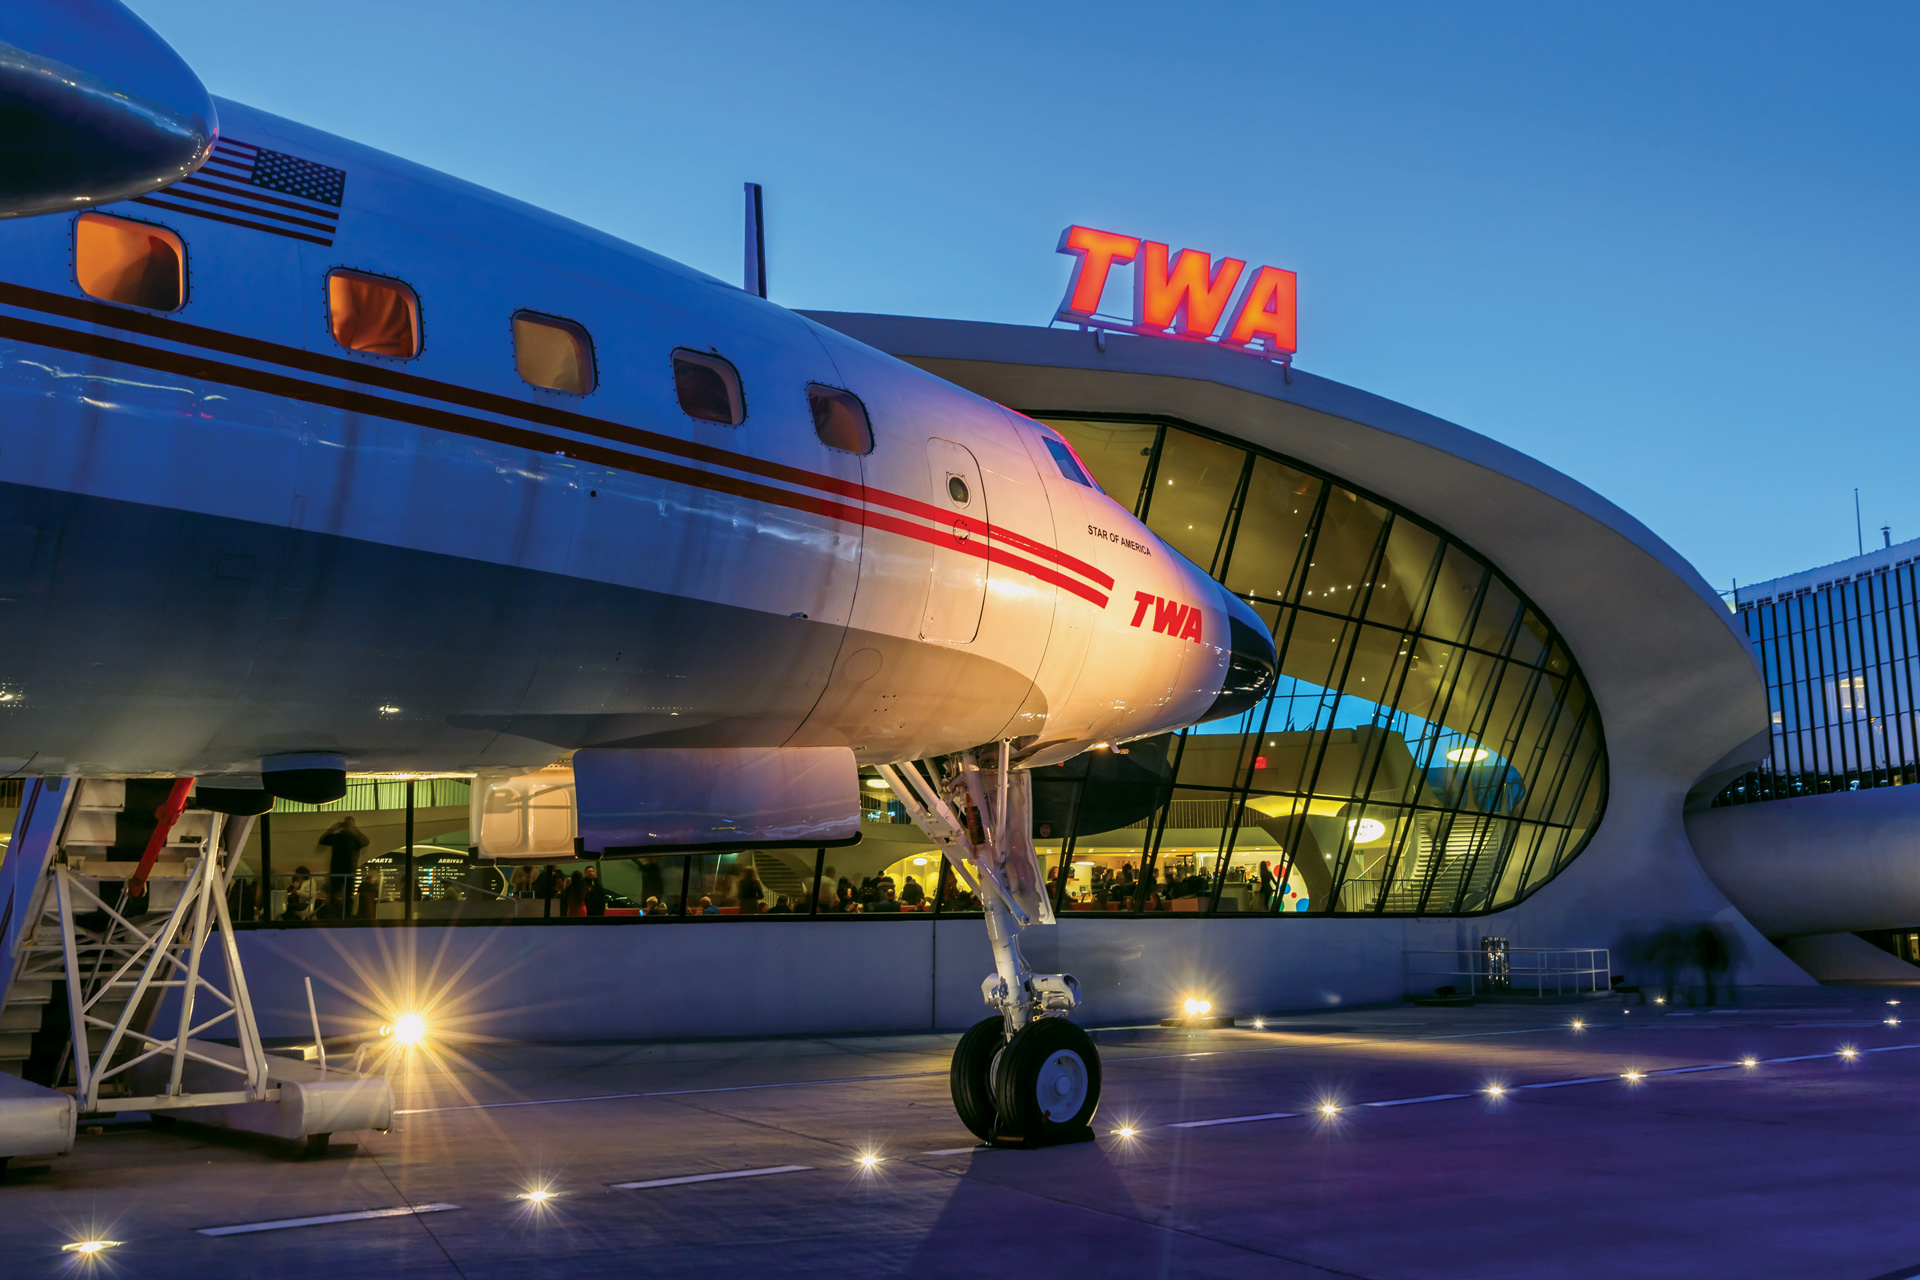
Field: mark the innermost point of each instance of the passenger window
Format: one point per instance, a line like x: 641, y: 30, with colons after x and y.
x: 1068, y: 464
x: 372, y: 314
x: 130, y: 262
x: 839, y: 419
x: 708, y: 387
x: 551, y: 353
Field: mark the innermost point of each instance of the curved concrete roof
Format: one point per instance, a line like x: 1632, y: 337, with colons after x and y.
x: 1676, y: 685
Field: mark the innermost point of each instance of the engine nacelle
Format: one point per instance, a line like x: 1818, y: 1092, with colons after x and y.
x: 94, y: 107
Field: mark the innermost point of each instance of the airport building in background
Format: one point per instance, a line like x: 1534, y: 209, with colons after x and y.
x: 1507, y: 711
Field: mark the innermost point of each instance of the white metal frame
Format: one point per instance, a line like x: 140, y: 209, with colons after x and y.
x: 138, y: 960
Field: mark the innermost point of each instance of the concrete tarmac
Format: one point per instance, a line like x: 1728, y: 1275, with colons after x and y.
x: 1801, y: 1165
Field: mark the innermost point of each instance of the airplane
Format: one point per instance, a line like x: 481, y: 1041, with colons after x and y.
x: 313, y: 458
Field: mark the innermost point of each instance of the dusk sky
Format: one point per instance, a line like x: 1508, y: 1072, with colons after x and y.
x: 1670, y: 250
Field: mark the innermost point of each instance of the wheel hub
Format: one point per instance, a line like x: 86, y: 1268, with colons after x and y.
x: 1062, y: 1085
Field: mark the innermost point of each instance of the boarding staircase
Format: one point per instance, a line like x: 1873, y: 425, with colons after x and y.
x: 115, y: 1002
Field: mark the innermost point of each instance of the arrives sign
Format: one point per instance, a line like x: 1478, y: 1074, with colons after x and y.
x: 1182, y: 295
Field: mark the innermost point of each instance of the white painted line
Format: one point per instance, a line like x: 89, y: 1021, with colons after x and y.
x: 1680, y: 1071
x: 667, y: 1093
x: 1407, y: 1102
x: 709, y: 1177
x: 1208, y: 1124
x: 283, y: 1224
x: 1524, y: 1031
x: 955, y: 1151
x: 1555, y: 1084
x: 1889, y: 1048
x: 1805, y: 1057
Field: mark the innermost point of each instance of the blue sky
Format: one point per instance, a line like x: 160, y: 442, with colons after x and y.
x: 1669, y: 249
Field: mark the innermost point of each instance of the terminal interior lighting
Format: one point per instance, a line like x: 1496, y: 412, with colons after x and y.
x: 1467, y: 755
x: 1198, y: 1008
x: 1366, y: 830
x: 878, y: 784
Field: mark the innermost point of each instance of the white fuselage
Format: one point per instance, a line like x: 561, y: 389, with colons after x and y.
x: 225, y: 536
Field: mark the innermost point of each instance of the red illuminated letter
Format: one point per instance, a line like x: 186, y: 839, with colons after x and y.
x: 1268, y: 309
x: 1192, y: 630
x: 1097, y: 251
x: 1192, y: 295
x: 1168, y: 616
x: 1141, y: 599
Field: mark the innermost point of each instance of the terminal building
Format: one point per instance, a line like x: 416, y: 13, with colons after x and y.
x: 1507, y: 711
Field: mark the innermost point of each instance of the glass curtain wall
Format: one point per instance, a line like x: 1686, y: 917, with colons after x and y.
x: 1429, y: 747
x: 1839, y: 662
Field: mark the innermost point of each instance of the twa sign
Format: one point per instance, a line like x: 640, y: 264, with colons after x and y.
x: 1183, y: 295
x: 1170, y: 617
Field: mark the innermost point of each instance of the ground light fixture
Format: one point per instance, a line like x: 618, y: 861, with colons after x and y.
x: 537, y: 1196
x: 1749, y: 1061
x: 1633, y: 1076
x: 1126, y: 1132
x: 89, y: 1248
x: 1893, y: 1022
x: 1328, y: 1109
x: 869, y: 1161
x: 408, y: 1029
x: 1848, y: 1052
x: 1259, y: 1024
x: 1578, y: 1024
x: 1496, y: 1091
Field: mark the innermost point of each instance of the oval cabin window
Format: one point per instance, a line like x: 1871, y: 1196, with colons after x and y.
x: 839, y: 419
x: 373, y: 314
x: 118, y: 260
x: 708, y: 388
x: 553, y: 353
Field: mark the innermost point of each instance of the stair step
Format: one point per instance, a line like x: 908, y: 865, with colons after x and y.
x: 21, y: 1017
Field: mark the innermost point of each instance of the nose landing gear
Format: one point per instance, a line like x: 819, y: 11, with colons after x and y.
x: 1026, y: 1076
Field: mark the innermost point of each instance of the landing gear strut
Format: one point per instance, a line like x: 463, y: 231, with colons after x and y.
x: 1025, y: 1076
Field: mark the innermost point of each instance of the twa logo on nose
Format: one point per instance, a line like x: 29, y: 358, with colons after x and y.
x: 1170, y: 617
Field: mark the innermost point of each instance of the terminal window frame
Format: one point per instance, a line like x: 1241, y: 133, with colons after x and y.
x: 554, y: 354
x: 362, y: 315
x: 708, y: 387
x: 111, y: 263
x: 840, y: 419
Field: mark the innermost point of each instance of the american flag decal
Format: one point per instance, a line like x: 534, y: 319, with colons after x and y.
x: 233, y: 186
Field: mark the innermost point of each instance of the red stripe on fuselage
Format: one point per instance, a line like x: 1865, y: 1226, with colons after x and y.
x: 352, y: 401
x: 547, y: 415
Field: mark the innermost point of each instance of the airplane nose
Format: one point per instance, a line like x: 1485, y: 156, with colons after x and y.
x: 1252, y: 664
x: 96, y: 107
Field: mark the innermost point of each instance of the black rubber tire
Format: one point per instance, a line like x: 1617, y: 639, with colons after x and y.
x: 1017, y: 1083
x: 972, y: 1075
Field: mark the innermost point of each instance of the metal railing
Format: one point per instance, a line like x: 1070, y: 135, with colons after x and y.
x: 1497, y: 969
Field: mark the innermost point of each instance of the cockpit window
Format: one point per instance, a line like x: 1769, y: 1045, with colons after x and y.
x: 373, y: 314
x: 553, y: 353
x: 708, y: 388
x: 130, y: 262
x: 1069, y: 465
x: 839, y: 419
